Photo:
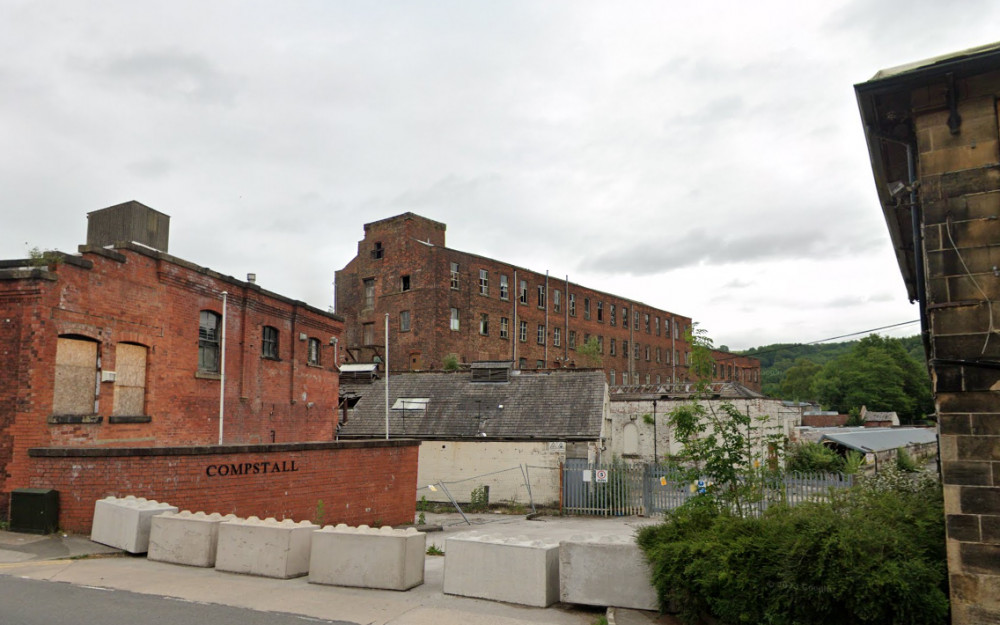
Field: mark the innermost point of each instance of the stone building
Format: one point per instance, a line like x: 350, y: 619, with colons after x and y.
x: 638, y: 428
x: 932, y: 135
x: 442, y: 302
x: 127, y: 369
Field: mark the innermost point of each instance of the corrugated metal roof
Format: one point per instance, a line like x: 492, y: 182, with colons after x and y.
x: 556, y: 406
x: 881, y: 439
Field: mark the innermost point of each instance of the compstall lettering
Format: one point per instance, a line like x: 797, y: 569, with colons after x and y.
x: 250, y: 468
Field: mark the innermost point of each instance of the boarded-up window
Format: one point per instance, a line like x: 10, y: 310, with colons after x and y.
x: 130, y: 380
x: 75, y: 389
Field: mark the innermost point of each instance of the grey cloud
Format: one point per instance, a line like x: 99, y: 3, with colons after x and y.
x: 150, y: 167
x: 703, y: 247
x: 170, y: 73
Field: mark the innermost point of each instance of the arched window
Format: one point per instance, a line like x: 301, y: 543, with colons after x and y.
x: 209, y: 333
x: 630, y: 440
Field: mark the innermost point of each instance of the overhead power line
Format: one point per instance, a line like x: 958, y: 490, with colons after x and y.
x: 832, y: 338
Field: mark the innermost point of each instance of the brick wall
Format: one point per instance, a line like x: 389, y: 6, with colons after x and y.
x: 133, y: 295
x: 430, y: 298
x: 824, y: 420
x: 358, y: 482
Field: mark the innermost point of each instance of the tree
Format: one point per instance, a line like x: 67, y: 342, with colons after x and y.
x: 798, y: 380
x: 716, y: 444
x: 590, y: 353
x: 878, y: 373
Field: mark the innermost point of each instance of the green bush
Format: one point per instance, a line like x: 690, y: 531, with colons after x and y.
x: 479, y: 498
x: 871, y: 554
x: 905, y: 462
x: 811, y: 457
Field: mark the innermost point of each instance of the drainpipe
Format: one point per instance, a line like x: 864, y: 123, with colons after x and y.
x: 655, y: 454
x: 222, y: 367
x: 546, y: 346
x: 386, y: 376
x: 918, y: 249
x: 515, y: 330
x: 566, y: 324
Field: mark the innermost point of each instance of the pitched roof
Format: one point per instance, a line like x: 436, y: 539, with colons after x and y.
x: 871, y: 415
x: 554, y: 406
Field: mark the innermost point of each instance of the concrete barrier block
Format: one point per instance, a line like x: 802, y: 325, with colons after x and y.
x: 124, y: 523
x: 267, y: 548
x: 186, y: 538
x: 605, y: 571
x: 386, y: 558
x: 513, y: 569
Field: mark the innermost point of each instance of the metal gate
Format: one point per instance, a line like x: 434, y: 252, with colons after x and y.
x: 613, y: 489
x: 622, y: 489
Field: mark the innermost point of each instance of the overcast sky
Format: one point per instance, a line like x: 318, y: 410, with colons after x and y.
x: 702, y: 157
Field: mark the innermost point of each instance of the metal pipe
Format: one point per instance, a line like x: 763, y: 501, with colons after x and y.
x: 222, y: 368
x: 546, y: 346
x: 386, y: 359
x: 918, y: 249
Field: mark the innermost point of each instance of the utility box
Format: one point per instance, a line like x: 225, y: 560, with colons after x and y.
x: 34, y: 510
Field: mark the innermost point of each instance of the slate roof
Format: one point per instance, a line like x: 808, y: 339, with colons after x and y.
x: 552, y: 406
x: 871, y: 415
x: 681, y: 390
x: 881, y: 439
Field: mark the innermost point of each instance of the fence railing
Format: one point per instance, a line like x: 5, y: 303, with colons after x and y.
x: 618, y: 489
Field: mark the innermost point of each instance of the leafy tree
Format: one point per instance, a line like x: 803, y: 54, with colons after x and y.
x: 798, y: 382
x: 716, y: 444
x: 877, y: 373
x: 590, y: 353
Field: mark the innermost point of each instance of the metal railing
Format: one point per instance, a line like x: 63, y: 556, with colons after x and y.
x: 620, y: 488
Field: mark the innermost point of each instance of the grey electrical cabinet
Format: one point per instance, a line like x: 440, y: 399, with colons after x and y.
x: 34, y: 510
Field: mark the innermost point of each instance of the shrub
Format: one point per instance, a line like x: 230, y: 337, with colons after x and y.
x: 811, y: 457
x: 871, y: 554
x: 479, y: 498
x: 905, y: 462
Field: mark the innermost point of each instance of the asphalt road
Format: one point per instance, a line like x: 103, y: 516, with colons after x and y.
x: 32, y: 602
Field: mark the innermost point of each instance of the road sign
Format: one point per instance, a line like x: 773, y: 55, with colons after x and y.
x: 601, y: 475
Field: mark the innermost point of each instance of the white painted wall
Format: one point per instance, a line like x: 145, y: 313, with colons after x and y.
x: 465, y: 465
x: 627, y: 414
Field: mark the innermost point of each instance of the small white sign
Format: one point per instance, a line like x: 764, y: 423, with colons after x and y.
x: 586, y: 475
x: 601, y: 475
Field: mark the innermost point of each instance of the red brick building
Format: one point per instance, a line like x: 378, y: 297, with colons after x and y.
x: 124, y: 350
x: 442, y: 302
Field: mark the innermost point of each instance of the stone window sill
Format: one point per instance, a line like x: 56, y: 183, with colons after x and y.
x: 75, y: 420
x: 130, y: 419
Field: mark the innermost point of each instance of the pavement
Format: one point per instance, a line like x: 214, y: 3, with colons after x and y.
x: 76, y: 560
